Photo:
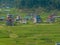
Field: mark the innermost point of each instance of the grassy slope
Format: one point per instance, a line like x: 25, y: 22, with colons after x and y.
x: 31, y: 34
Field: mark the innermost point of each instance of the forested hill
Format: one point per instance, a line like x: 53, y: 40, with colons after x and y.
x: 48, y: 4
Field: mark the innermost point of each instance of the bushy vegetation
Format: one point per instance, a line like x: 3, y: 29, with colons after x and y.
x: 47, y: 4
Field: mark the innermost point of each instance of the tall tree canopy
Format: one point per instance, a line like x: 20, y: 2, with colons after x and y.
x: 48, y: 4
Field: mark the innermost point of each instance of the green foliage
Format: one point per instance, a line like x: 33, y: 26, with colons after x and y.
x: 27, y: 4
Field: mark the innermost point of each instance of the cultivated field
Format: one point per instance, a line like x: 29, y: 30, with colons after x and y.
x: 29, y: 34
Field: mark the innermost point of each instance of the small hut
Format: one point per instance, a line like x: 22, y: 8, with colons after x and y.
x: 10, y: 20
